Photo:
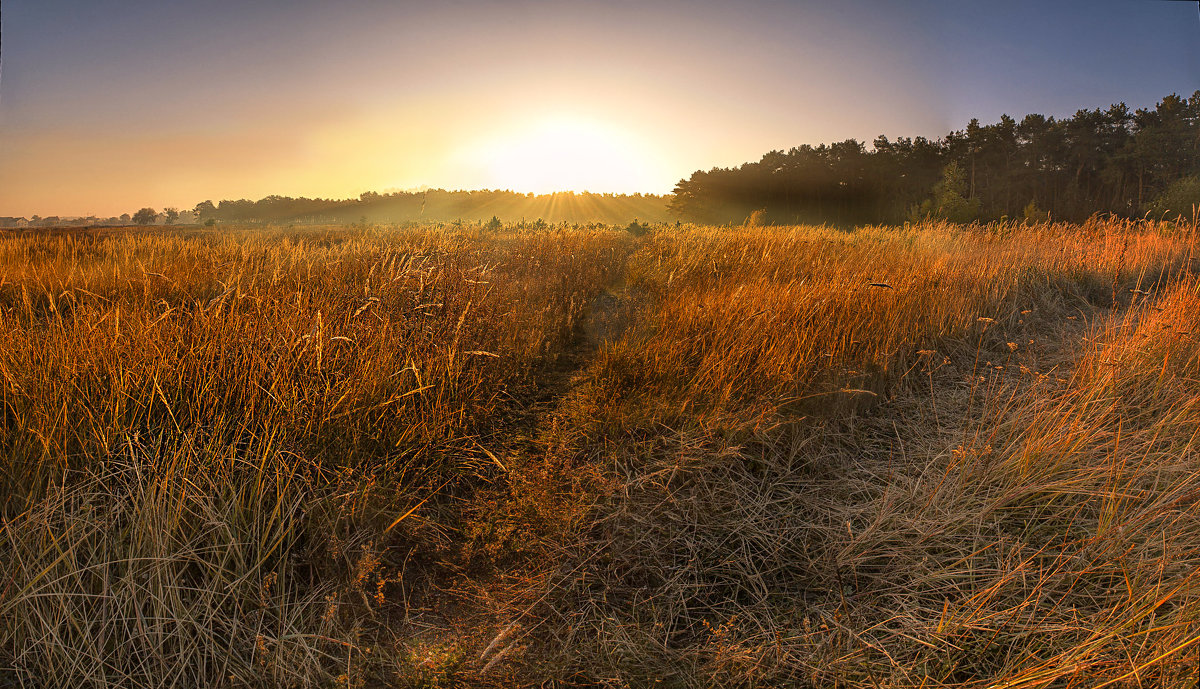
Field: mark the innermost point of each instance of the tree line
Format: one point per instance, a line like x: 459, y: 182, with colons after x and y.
x: 1116, y: 160
x: 440, y: 205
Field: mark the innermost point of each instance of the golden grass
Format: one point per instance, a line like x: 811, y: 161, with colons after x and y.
x: 353, y: 346
x: 802, y: 311
x: 922, y: 456
x: 189, y: 420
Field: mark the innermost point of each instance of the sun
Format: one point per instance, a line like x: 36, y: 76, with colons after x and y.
x: 566, y: 153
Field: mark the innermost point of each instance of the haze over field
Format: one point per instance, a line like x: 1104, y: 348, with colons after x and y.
x: 109, y: 106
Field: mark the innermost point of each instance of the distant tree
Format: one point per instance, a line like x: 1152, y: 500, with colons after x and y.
x: 172, y: 215
x: 125, y: 218
x: 145, y: 216
x: 205, y: 210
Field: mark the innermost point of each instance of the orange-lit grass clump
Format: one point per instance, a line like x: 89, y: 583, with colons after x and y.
x: 758, y: 456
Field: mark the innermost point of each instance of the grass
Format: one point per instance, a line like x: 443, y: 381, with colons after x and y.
x: 922, y: 456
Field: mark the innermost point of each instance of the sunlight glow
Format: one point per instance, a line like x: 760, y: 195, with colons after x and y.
x: 565, y: 153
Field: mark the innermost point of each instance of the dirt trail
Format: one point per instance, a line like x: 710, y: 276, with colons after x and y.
x: 533, y: 420
x: 492, y: 597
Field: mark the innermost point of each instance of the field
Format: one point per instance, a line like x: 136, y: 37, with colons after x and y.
x: 432, y: 456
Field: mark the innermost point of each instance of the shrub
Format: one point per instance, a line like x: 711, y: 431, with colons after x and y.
x: 949, y: 200
x: 1034, y: 215
x: 1179, y: 200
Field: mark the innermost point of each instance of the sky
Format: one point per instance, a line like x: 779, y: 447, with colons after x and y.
x: 107, y: 106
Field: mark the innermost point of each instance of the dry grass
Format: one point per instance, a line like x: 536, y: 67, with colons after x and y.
x: 817, y: 481
x: 800, y: 313
x: 923, y: 456
x: 207, y: 439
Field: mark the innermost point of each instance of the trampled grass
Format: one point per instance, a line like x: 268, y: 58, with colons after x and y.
x: 920, y: 456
